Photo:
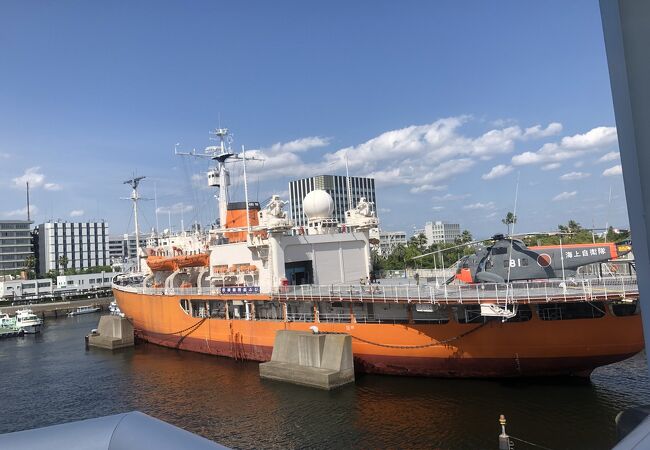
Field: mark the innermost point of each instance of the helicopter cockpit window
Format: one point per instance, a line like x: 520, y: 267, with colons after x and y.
x: 499, y: 251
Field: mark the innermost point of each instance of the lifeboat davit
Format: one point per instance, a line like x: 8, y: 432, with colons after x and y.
x: 170, y: 264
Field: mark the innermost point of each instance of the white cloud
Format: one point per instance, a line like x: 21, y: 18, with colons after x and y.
x: 176, y: 208
x: 76, y: 213
x: 569, y: 147
x: 200, y: 181
x: 551, y: 166
x: 537, y: 131
x: 426, y: 188
x: 573, y: 176
x: 22, y: 212
x: 438, y: 208
x: 578, y: 164
x: 52, y: 187
x: 421, y: 157
x: 613, y: 171
x: 300, y: 145
x: 4, y: 155
x: 32, y: 176
x: 479, y: 205
x: 449, y: 197
x: 497, y: 171
x: 427, y: 154
x: 611, y: 156
x: 384, y: 210
x: 565, y: 196
x: 35, y: 178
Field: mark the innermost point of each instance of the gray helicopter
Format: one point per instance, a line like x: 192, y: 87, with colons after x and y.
x: 510, y: 259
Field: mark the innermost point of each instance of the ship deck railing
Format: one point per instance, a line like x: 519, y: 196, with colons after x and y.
x: 588, y: 289
x: 623, y: 288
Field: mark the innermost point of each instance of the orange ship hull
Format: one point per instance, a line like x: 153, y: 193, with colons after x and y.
x: 496, y: 349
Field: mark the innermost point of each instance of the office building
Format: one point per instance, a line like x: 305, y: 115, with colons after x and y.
x: 21, y: 289
x: 123, y: 247
x: 389, y: 240
x: 440, y: 232
x: 385, y: 242
x: 336, y: 187
x: 116, y: 248
x: 15, y: 245
x: 83, y: 244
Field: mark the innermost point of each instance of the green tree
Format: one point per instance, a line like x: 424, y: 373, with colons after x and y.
x: 51, y: 274
x: 418, y: 241
x: 617, y: 235
x: 510, y: 219
x: 464, y: 237
x: 63, y: 263
x: 30, y: 263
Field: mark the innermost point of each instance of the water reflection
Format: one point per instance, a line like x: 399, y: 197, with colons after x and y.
x: 53, y: 377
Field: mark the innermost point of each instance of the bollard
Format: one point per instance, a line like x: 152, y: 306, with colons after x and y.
x: 504, y: 439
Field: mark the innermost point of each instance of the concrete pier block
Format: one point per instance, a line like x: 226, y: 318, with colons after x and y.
x: 113, y: 332
x: 318, y: 360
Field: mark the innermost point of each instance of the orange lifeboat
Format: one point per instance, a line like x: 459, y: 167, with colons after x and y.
x: 161, y: 263
x: 200, y: 260
x: 170, y: 264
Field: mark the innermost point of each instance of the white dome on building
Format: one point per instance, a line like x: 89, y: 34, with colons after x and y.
x: 318, y: 205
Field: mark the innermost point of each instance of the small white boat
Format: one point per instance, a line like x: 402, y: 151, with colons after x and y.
x: 114, y: 309
x: 27, y: 321
x: 8, y: 326
x: 6, y: 321
x: 84, y: 310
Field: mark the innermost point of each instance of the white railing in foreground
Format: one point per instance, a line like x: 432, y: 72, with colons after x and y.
x: 515, y: 292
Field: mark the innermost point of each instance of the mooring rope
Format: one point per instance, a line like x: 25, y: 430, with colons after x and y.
x: 431, y: 344
x: 197, y: 324
x: 191, y: 330
x: 529, y: 443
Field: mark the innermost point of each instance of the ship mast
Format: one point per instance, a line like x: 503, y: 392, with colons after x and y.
x: 219, y: 176
x: 224, y: 176
x: 134, y: 182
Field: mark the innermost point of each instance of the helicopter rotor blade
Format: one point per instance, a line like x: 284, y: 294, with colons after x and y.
x: 442, y: 250
x: 538, y: 233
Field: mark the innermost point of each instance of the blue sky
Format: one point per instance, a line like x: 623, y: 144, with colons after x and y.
x: 445, y: 103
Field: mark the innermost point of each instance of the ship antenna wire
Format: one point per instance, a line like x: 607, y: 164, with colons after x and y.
x: 347, y: 181
x: 248, y: 218
x: 514, y: 221
x: 155, y: 205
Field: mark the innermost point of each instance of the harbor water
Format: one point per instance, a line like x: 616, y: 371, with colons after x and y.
x: 50, y: 378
